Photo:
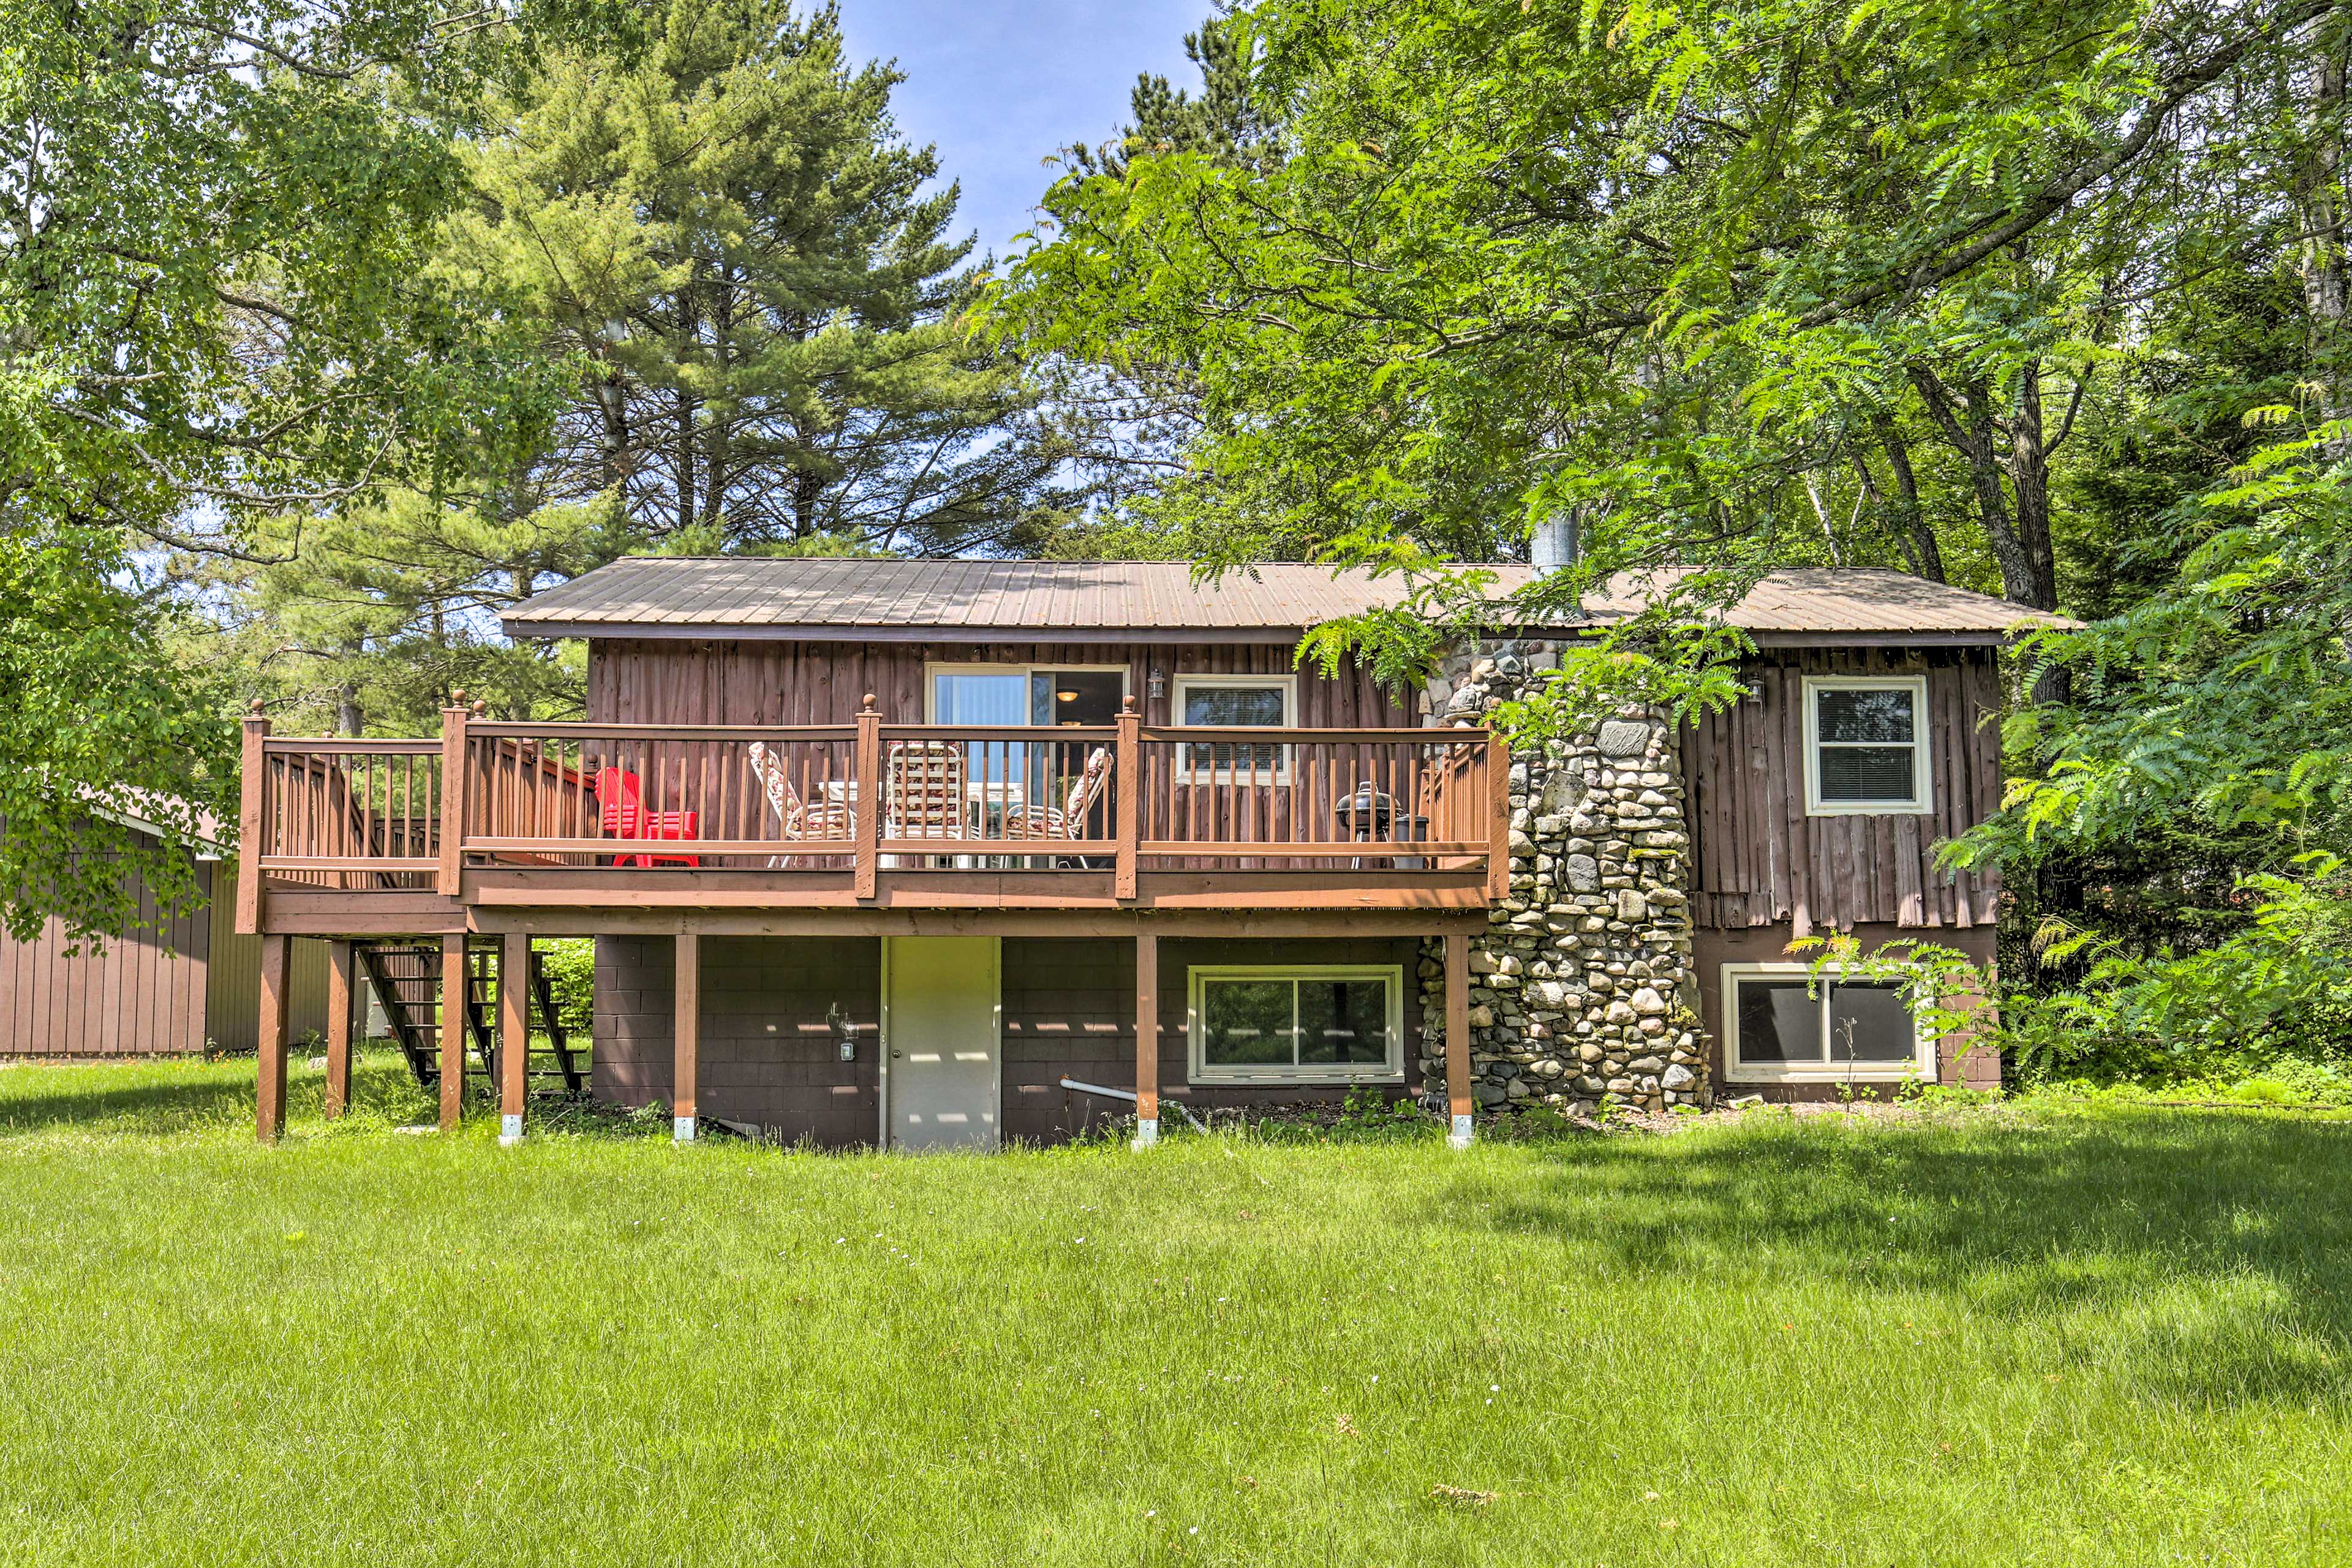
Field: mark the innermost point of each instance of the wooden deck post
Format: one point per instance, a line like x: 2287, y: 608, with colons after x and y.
x: 867, y: 782
x: 269, y: 1077
x: 514, y: 1034
x: 1129, y: 794
x: 454, y: 984
x: 1147, y: 1039
x: 450, y: 881
x: 252, y: 842
x: 1457, y: 1037
x: 1498, y: 818
x: 339, y: 1029
x: 686, y: 1037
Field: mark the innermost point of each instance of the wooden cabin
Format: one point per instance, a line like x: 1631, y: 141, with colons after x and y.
x: 945, y: 853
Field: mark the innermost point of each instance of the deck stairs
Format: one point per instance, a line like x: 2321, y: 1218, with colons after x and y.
x: 405, y: 977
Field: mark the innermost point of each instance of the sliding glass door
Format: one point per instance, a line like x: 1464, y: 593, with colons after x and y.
x: 1037, y: 772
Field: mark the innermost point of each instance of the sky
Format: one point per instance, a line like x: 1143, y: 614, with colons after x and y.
x: 998, y: 85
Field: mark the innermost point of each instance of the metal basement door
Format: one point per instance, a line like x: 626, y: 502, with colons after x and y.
x: 941, y: 1028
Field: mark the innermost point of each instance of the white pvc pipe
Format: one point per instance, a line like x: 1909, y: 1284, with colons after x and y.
x: 1142, y: 1136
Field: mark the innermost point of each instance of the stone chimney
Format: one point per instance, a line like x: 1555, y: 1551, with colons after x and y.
x: 1583, y: 990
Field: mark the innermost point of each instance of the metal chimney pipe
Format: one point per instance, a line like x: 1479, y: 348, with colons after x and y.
x: 1555, y: 544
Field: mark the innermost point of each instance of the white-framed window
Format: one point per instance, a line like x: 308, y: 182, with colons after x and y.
x: 1867, y: 745
x: 1225, y: 702
x: 1777, y: 1030
x: 1321, y: 1023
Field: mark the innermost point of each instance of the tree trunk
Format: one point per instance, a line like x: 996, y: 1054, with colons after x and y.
x: 682, y: 462
x: 349, y: 718
x: 2029, y: 477
x: 714, y: 466
x: 2319, y: 200
x: 613, y: 406
x: 807, y: 490
x: 1913, y: 532
x: 1972, y: 432
x: 683, y: 449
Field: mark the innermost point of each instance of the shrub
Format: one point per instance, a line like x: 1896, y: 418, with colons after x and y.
x: 570, y: 965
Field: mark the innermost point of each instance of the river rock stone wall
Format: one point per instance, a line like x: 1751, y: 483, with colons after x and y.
x: 1582, y: 987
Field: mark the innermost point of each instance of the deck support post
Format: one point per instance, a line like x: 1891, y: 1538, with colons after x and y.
x: 269, y: 1077
x: 454, y: 984
x: 1127, y: 801
x: 339, y: 1029
x: 449, y: 877
x: 1498, y: 819
x: 687, y: 1036
x: 514, y: 1034
x: 867, y: 778
x: 253, y: 806
x: 1457, y: 1037
x: 1147, y: 1039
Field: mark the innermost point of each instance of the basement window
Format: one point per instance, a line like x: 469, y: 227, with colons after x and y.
x: 1298, y: 1025
x: 1867, y: 745
x: 1776, y: 1031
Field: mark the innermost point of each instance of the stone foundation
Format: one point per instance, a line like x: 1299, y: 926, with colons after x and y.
x: 1582, y: 986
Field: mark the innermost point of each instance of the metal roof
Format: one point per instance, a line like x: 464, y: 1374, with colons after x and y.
x: 1145, y: 601
x: 146, y: 811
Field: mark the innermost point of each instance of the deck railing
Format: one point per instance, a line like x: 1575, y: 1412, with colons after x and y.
x: 870, y: 797
x: 342, y: 813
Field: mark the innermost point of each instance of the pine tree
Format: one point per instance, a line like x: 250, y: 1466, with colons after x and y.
x: 367, y: 620
x: 1226, y: 121
x: 1124, y: 423
x: 731, y: 238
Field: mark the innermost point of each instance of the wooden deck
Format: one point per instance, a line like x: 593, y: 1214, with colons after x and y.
x: 515, y: 828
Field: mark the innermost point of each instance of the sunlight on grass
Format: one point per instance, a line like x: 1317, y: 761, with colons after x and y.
x: 1987, y: 1338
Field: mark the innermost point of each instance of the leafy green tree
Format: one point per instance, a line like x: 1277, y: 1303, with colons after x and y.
x: 216, y: 303
x: 110, y: 728
x: 1125, y: 420
x: 2203, y: 750
x: 1779, y: 282
x: 719, y: 244
x: 2042, y: 295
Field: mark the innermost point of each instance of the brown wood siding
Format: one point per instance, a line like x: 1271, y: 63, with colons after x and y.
x: 143, y: 995
x: 1069, y: 1011
x: 1967, y: 1067
x: 767, y: 1056
x: 1758, y: 859
x: 232, y: 988
x: 719, y: 682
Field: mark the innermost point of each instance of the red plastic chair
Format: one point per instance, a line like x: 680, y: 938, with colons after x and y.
x: 620, y: 797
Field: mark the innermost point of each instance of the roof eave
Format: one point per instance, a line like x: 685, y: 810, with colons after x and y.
x: 807, y: 631
x: 198, y: 846
x: 1941, y: 639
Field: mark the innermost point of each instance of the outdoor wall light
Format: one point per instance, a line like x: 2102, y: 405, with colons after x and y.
x: 844, y: 1031
x: 1158, y: 684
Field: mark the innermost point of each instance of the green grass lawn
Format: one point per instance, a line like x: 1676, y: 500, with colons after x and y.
x: 2118, y: 1336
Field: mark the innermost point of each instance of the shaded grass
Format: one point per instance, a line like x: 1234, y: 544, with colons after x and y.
x: 2087, y: 1335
